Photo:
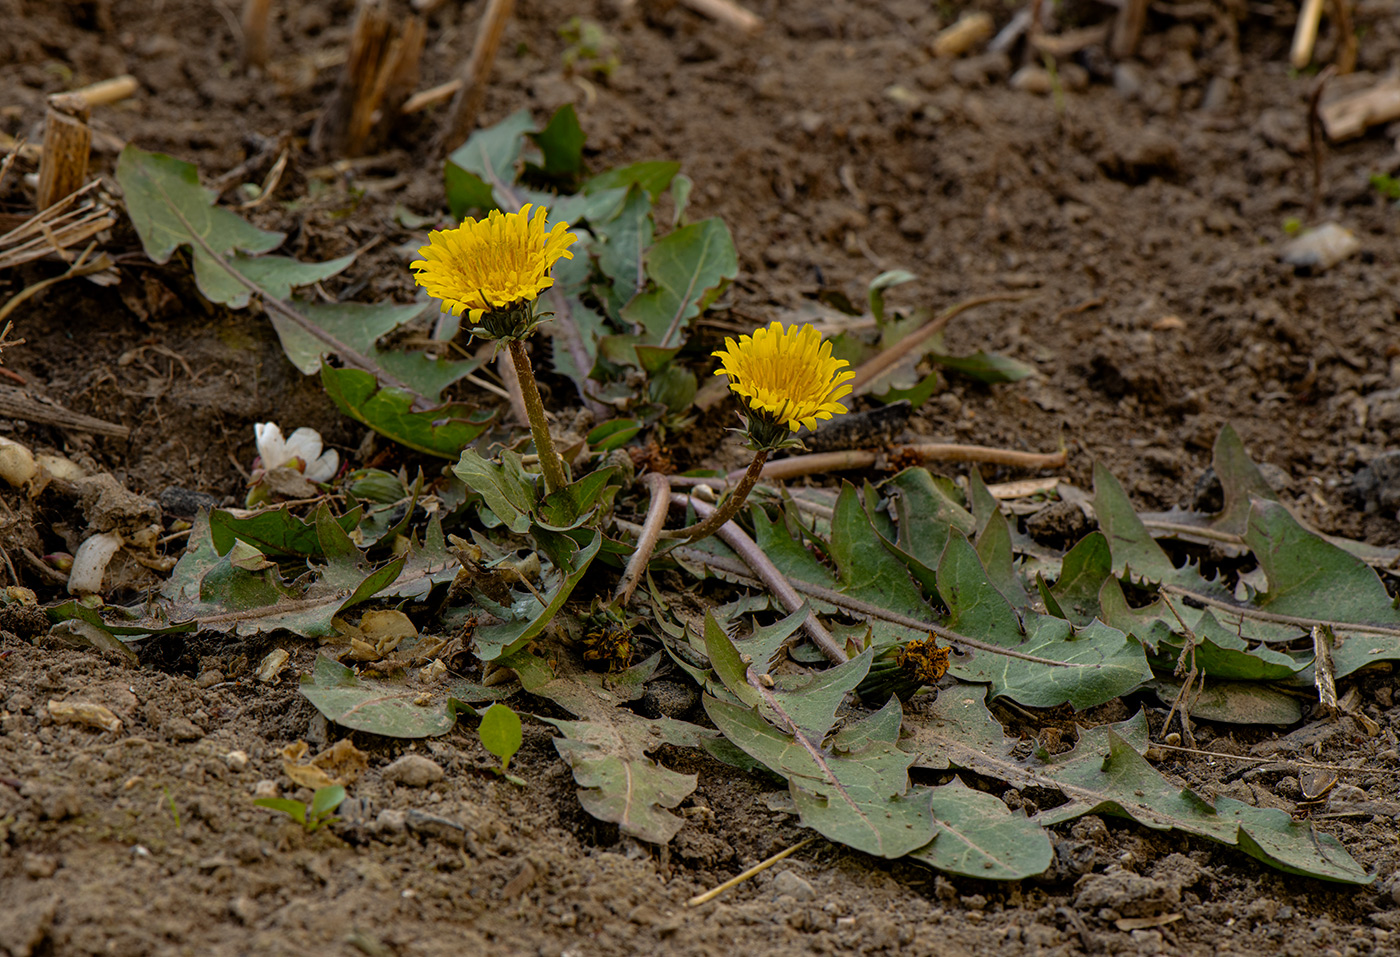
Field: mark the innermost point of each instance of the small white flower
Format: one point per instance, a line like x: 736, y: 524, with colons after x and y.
x: 302, y: 451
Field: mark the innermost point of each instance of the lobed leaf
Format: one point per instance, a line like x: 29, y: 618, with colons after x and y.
x: 685, y: 268
x: 377, y: 707
x: 442, y: 431
x: 978, y: 836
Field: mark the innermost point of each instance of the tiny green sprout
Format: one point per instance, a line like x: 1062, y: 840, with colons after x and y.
x: 311, y: 816
x: 174, y: 811
x: 591, y: 49
x: 1387, y: 186
x: 1292, y: 225
x: 500, y: 734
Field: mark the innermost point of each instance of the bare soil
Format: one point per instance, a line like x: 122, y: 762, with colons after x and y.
x: 1141, y: 210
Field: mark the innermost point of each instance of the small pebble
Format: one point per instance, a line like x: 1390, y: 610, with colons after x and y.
x: 181, y: 728
x: 391, y: 821
x: 793, y: 885
x: 1032, y: 79
x: 414, y: 770
x: 1321, y: 248
x: 207, y: 679
x: 237, y: 760
x: 266, y: 789
x: 39, y: 866
x: 244, y: 909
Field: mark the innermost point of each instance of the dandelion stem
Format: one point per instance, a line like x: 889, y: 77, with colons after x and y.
x: 551, y: 466
x: 729, y: 509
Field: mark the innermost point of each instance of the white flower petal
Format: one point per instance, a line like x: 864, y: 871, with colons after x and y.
x: 323, y: 468
x: 304, y: 444
x: 272, y: 449
x: 90, y: 563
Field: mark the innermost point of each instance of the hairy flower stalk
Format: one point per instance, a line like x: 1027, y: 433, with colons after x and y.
x: 788, y: 378
x: 494, y: 270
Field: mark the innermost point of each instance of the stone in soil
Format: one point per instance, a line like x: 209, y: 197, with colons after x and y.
x: 414, y: 770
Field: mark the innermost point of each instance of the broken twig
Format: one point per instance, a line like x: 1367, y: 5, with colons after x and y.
x: 472, y: 93
x: 759, y: 868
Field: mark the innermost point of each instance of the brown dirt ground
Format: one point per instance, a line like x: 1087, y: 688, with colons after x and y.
x: 1161, y: 192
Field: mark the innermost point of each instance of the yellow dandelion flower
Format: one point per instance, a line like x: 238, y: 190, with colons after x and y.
x: 495, y: 263
x: 787, y: 375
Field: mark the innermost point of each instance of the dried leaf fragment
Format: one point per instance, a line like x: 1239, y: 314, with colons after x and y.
x: 84, y: 712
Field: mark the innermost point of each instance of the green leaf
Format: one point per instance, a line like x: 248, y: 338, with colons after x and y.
x: 856, y: 791
x: 488, y: 157
x: 1312, y: 578
x: 221, y: 594
x: 500, y: 733
x: 916, y: 395
x: 1113, y: 663
x: 325, y: 800
x: 681, y: 188
x: 607, y: 751
x: 159, y: 190
x: 573, y: 505
x: 1240, y: 479
x: 1235, y: 702
x: 356, y: 324
x: 1133, y: 549
x: 788, y: 553
x: 764, y: 645
x: 867, y: 570
x: 377, y: 707
x: 359, y: 326
x: 293, y: 809
x: 442, y: 431
x: 561, y: 145
x: 728, y: 663
x: 684, y: 268
x: 74, y: 610
x: 613, y: 434
x: 1083, y: 572
x: 979, y: 837
x: 994, y: 548
x: 984, y: 366
x: 1105, y: 773
x: 277, y: 275
x: 925, y: 514
x: 654, y: 177
x: 1220, y: 652
x: 425, y: 565
x: 876, y: 290
x: 955, y: 729
x: 808, y: 703
x: 277, y: 532
x: 508, y: 493
x: 530, y: 617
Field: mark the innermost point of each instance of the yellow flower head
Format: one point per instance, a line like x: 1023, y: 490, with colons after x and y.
x: 788, y: 376
x: 493, y: 263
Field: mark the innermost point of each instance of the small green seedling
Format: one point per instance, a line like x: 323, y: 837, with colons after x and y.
x: 311, y: 816
x: 500, y: 734
x: 1387, y: 186
x: 174, y: 811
